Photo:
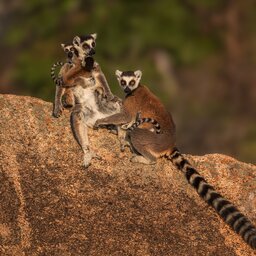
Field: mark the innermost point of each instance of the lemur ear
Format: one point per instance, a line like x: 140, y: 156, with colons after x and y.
x: 118, y: 73
x: 138, y: 74
x: 76, y: 40
x: 62, y: 45
x: 94, y: 36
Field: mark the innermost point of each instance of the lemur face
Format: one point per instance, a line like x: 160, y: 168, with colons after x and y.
x: 85, y: 45
x: 70, y: 51
x: 129, y: 80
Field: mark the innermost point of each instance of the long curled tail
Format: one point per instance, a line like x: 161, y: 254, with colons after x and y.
x: 55, y: 79
x: 229, y: 213
x: 140, y: 121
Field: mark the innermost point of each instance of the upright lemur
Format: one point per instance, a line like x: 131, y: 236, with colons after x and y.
x: 81, y: 47
x: 149, y: 145
x: 93, y: 98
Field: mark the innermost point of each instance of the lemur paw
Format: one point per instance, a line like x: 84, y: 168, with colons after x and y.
x: 68, y: 103
x: 142, y: 160
x: 95, y: 155
x: 89, y: 156
x: 109, y: 97
x: 97, y: 125
x: 87, y: 160
x: 124, y: 144
x: 116, y: 99
x: 59, y: 81
x: 138, y: 116
x: 57, y: 111
x: 126, y: 126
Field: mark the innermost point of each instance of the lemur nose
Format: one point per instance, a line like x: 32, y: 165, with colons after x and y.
x: 70, y: 55
x: 92, y: 52
x: 127, y: 90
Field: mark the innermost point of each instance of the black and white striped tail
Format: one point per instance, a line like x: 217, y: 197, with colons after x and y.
x: 55, y: 79
x: 229, y: 213
x: 140, y: 121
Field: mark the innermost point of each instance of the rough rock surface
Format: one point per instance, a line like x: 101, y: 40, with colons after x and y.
x: 51, y: 205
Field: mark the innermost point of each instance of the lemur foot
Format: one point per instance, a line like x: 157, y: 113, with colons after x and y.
x: 126, y: 126
x: 57, y: 111
x: 124, y: 144
x: 87, y: 159
x: 97, y: 125
x: 67, y: 104
x: 96, y: 156
x: 112, y: 129
x: 110, y: 97
x: 142, y: 160
x: 89, y: 156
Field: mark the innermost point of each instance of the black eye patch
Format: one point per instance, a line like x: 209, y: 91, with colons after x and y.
x: 86, y: 46
x: 93, y: 44
x: 123, y: 82
x: 132, y: 82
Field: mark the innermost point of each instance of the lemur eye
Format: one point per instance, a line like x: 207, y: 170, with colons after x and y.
x: 93, y: 44
x: 132, y: 83
x: 123, y: 82
x: 66, y: 50
x: 85, y: 46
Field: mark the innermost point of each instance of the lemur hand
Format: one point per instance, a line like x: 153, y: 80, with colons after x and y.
x: 138, y: 116
x: 83, y: 62
x: 116, y: 99
x: 57, y: 111
x: 110, y: 97
x: 59, y: 81
x: 96, y: 125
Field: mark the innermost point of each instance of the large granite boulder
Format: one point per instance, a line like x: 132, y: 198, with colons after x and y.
x: 51, y: 205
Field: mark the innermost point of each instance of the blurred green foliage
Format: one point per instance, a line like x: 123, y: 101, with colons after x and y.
x: 126, y: 30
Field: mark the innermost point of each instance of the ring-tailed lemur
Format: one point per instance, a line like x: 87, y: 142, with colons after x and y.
x: 70, y: 52
x: 82, y: 47
x: 151, y: 146
x: 91, y: 102
x: 61, y: 93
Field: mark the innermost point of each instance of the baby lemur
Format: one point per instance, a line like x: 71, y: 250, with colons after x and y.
x: 61, y: 92
x: 91, y: 103
x: 149, y: 146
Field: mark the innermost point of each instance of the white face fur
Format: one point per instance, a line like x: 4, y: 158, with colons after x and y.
x: 128, y: 80
x: 85, y: 46
x: 70, y: 51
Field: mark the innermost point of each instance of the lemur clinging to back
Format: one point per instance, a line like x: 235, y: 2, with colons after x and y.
x: 81, y: 47
x: 149, y: 146
x: 58, y: 107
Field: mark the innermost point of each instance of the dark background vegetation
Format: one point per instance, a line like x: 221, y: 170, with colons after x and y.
x: 198, y: 56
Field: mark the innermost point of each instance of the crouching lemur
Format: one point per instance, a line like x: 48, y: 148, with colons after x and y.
x: 149, y: 146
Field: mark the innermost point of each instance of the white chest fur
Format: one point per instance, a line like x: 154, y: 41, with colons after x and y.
x: 90, y: 109
x: 84, y: 95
